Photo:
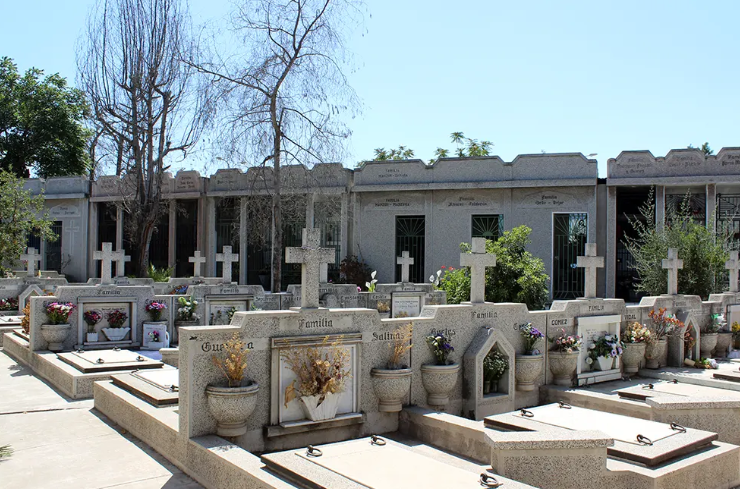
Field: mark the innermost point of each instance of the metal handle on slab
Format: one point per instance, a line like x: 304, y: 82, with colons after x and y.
x: 140, y: 359
x: 489, y: 481
x: 675, y: 381
x: 100, y: 360
x: 564, y: 405
x: 649, y: 386
x: 644, y: 440
x: 118, y: 348
x: 678, y: 427
x: 312, y: 451
x: 376, y: 440
x: 527, y: 414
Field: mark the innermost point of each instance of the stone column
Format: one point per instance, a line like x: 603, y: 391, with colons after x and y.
x: 172, y: 234
x: 611, y: 242
x: 243, y: 240
x: 211, y: 237
x: 660, y: 207
x: 344, y: 216
x: 119, y: 228
x: 711, y: 221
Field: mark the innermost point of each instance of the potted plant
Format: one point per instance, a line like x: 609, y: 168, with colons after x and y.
x: 321, y: 373
x: 440, y: 377
x: 92, y: 318
x: 528, y: 365
x: 156, y: 341
x: 563, y: 357
x: 662, y: 325
x: 635, y: 339
x: 116, y: 319
x: 604, y: 352
x: 26, y: 320
x: 371, y: 284
x: 58, y: 327
x: 154, y: 309
x: 724, y: 336
x: 689, y: 341
x: 233, y: 401
x: 392, y: 383
x: 735, y: 335
x: 9, y: 304
x: 186, y: 312
x: 708, y: 338
x: 494, y: 366
x: 384, y: 308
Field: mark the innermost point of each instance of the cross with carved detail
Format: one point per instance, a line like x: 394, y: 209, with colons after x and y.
x: 310, y: 256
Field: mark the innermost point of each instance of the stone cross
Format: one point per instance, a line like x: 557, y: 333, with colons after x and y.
x: 478, y: 260
x: 405, y: 261
x: 310, y: 256
x: 228, y: 258
x: 590, y: 262
x: 107, y: 256
x: 733, y: 265
x: 673, y: 265
x: 31, y: 257
x: 324, y: 275
x: 121, y: 259
x: 197, y: 260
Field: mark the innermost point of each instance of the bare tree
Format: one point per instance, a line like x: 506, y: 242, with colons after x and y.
x: 284, y: 91
x: 144, y: 101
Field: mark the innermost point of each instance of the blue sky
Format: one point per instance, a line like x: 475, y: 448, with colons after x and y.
x: 531, y: 76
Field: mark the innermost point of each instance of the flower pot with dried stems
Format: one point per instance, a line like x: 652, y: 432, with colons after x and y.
x: 233, y: 403
x: 392, y: 384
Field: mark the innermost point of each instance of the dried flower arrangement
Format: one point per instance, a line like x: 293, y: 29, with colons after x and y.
x: 636, y: 333
x: 233, y: 360
x: 400, y: 344
x: 383, y: 306
x: 320, y: 370
x: 26, y: 321
x: 401, y: 314
x: 663, y: 324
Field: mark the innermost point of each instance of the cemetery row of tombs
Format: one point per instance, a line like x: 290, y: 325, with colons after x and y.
x: 326, y: 386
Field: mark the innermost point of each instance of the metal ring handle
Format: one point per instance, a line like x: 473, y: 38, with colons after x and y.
x: 526, y: 413
x: 118, y: 348
x: 678, y: 427
x: 489, y: 481
x: 376, y: 440
x: 564, y: 405
x: 312, y: 451
x: 644, y: 440
x: 649, y: 386
x: 100, y: 360
x: 140, y: 359
x: 675, y: 381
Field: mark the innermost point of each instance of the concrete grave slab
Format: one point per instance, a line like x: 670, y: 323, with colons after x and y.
x: 673, y: 389
x: 107, y: 360
x: 157, y: 387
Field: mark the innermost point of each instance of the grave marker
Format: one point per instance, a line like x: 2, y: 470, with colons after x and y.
x: 590, y: 262
x: 197, y: 260
x: 673, y: 265
x: 227, y: 257
x: 478, y: 260
x: 591, y: 328
x: 310, y: 256
x: 121, y: 259
x: 733, y: 266
x: 31, y: 257
x: 106, y: 257
x: 405, y: 261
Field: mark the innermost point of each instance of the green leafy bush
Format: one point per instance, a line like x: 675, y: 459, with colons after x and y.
x: 518, y: 275
x: 160, y: 274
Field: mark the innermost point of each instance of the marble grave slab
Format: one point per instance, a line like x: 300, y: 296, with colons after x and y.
x: 159, y: 387
x: 107, y: 360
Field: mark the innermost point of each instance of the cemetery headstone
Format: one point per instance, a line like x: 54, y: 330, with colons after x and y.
x: 31, y: 257
x: 227, y: 257
x: 405, y: 261
x: 197, y: 261
x: 478, y: 261
x: 733, y: 266
x: 590, y: 262
x: 310, y: 256
x: 673, y: 264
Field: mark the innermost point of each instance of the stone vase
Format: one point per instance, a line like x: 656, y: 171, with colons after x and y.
x: 654, y: 353
x: 92, y: 337
x: 231, y: 406
x: 707, y: 343
x: 316, y: 410
x: 527, y: 370
x: 605, y: 363
x: 563, y: 367
x: 438, y: 381
x: 723, y: 344
x: 170, y: 356
x: 391, y: 387
x: 632, y: 357
x: 55, y: 334
x: 116, y: 334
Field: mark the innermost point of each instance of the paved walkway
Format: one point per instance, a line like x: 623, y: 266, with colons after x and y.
x: 59, y: 443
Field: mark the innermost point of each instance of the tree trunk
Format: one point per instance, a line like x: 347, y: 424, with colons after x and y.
x: 277, y: 221
x: 141, y: 264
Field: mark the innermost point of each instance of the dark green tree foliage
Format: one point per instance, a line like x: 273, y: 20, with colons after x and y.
x: 402, y: 153
x: 41, y: 124
x: 518, y: 275
x: 703, y: 252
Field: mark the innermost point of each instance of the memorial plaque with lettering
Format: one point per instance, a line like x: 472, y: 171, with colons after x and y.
x: 404, y: 304
x: 591, y: 329
x: 220, y: 311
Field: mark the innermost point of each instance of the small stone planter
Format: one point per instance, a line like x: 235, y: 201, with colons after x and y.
x: 707, y: 344
x: 633, y: 355
x: 655, y: 352
x: 723, y: 344
x: 527, y: 370
x: 116, y: 334
x: 92, y: 337
x: 55, y: 334
x: 563, y: 367
x: 231, y: 406
x: 319, y: 412
x: 170, y: 356
x: 439, y: 380
x: 391, y: 386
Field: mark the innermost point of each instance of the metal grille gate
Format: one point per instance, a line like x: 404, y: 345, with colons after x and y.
x: 487, y: 226
x: 569, y: 241
x: 410, y: 236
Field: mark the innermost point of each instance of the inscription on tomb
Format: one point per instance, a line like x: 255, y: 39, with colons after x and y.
x: 446, y: 332
x: 561, y: 323
x: 586, y: 308
x: 484, y: 315
x: 64, y: 211
x: 393, y: 173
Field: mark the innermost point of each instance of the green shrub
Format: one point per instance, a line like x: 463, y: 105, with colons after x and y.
x: 160, y: 274
x: 518, y: 275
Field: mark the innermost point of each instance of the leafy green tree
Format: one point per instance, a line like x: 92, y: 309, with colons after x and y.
x: 704, y: 148
x: 21, y: 215
x: 466, y: 147
x: 41, y: 124
x: 703, y: 252
x: 518, y: 275
x: 402, y: 153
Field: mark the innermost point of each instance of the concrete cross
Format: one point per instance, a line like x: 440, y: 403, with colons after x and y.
x: 405, y: 261
x: 590, y: 262
x: 228, y: 258
x: 324, y: 275
x: 733, y: 265
x: 478, y: 260
x: 197, y: 260
x: 31, y: 257
x: 673, y: 265
x: 310, y: 256
x: 121, y: 259
x: 107, y: 256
